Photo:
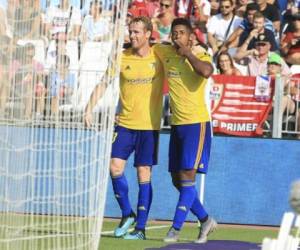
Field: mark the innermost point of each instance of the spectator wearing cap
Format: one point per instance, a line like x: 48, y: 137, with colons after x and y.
x: 288, y: 103
x: 290, y: 43
x: 258, y: 57
x: 247, y: 38
x: 271, y: 12
x: 247, y: 25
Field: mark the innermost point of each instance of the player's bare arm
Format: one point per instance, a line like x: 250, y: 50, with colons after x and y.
x: 97, y: 93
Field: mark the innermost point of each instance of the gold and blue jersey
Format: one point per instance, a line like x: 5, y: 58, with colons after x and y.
x: 186, y: 87
x: 141, y: 81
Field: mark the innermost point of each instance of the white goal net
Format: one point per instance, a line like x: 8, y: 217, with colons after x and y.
x: 54, y: 170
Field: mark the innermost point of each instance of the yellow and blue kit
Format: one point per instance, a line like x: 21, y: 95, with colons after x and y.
x: 190, y: 133
x: 141, y: 81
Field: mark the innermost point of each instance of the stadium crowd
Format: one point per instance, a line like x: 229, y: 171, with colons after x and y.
x: 51, y: 51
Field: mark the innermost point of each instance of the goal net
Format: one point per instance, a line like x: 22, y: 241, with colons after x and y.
x: 53, y: 170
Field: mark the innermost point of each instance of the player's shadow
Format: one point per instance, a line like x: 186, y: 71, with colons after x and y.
x: 211, y: 245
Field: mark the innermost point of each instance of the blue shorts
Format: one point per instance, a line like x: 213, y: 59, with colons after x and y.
x: 144, y: 143
x: 190, y: 147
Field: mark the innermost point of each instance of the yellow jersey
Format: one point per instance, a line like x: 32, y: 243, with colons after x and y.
x: 186, y: 87
x: 141, y: 82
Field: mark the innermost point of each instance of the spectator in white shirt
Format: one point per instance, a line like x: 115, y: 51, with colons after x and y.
x: 95, y: 28
x: 64, y: 19
x: 219, y: 24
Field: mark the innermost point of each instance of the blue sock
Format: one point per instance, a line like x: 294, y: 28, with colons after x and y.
x: 143, y: 206
x: 120, y: 187
x: 197, y: 209
x: 186, y: 198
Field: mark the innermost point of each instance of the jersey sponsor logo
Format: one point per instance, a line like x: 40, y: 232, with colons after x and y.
x: 127, y: 67
x: 174, y: 74
x: 117, y: 196
x: 141, y: 80
x: 183, y: 208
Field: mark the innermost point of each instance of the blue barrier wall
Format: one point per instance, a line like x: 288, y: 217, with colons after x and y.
x: 247, y: 183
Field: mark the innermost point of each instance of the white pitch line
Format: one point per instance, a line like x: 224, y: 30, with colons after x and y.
x: 130, y: 230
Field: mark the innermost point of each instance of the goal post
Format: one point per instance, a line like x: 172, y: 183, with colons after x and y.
x: 53, y: 170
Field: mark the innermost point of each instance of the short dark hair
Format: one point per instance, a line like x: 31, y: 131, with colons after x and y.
x: 252, y: 6
x: 145, y: 20
x: 182, y: 21
x: 231, y: 1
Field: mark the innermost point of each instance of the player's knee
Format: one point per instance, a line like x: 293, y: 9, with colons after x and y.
x: 116, y: 168
x: 144, y: 173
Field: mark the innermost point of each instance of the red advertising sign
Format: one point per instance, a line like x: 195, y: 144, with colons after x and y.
x: 236, y: 109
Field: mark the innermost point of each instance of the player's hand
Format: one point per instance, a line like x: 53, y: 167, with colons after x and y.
x: 117, y: 119
x: 182, y: 49
x: 88, y: 119
x: 295, y: 196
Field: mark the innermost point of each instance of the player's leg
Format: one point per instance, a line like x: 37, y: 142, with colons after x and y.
x: 145, y: 157
x: 187, y: 195
x: 190, y: 141
x: 197, y: 208
x: 122, y: 147
x: 144, y: 203
x: 208, y: 224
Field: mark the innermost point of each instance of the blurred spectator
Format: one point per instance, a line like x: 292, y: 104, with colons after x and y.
x: 26, y: 75
x: 63, y: 20
x: 7, y: 15
x: 270, y: 12
x: 164, y: 19
x: 247, y: 38
x: 294, y: 93
x: 195, y: 10
x: 258, y: 57
x: 95, y: 27
x: 214, y: 7
x: 288, y: 16
x: 246, y: 26
x: 291, y: 88
x: 241, y: 7
x: 60, y: 47
x: 153, y: 8
x: 126, y: 29
x: 4, y: 76
x: 27, y: 21
x: 139, y: 8
x: 290, y: 43
x: 221, y: 26
x: 226, y: 66
x: 62, y: 84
